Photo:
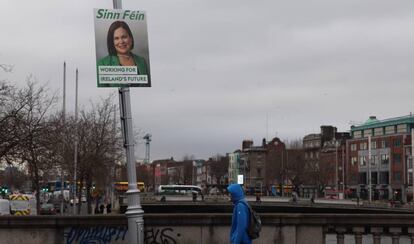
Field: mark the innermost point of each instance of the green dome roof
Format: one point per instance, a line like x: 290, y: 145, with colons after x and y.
x: 371, y: 120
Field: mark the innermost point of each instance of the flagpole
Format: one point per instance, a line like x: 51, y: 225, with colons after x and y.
x: 75, y: 158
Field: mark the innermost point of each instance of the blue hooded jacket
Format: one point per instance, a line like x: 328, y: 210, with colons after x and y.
x: 241, y: 216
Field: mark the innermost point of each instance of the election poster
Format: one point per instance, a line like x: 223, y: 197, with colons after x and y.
x: 122, y: 54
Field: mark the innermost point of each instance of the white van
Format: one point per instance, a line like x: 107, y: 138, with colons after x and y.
x: 4, y: 207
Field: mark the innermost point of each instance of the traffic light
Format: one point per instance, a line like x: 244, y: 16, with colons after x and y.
x: 45, y: 189
x: 4, y: 190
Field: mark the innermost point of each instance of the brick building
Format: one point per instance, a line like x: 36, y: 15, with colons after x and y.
x: 390, y: 152
x: 325, y: 155
x: 261, y: 166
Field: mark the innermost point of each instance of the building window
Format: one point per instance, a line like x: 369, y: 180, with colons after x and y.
x: 384, y: 144
x: 373, y: 144
x: 317, y: 155
x: 397, y: 143
x: 384, y: 177
x: 354, y: 161
x: 374, y: 160
x: 363, y: 178
x: 385, y: 159
x: 362, y: 161
x: 379, y: 131
x: 367, y: 133
x: 408, y: 151
x: 374, y: 178
x: 357, y: 134
x: 402, y: 128
x: 397, y: 158
x: 389, y: 130
x: 397, y: 176
x: 353, y: 147
x: 363, y: 146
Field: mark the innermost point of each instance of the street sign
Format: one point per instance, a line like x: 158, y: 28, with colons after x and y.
x: 240, y: 179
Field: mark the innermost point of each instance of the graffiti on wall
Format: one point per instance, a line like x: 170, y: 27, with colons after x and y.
x: 160, y: 236
x: 107, y: 235
x: 95, y: 235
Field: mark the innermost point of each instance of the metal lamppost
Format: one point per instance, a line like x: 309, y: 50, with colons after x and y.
x: 134, y: 211
x: 62, y: 174
x: 343, y: 172
x: 369, y: 169
x: 412, y: 159
x: 336, y: 165
x: 75, y: 161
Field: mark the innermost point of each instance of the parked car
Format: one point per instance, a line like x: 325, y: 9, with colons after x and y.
x: 47, y: 209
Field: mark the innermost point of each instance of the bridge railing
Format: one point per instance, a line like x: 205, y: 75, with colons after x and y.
x: 212, y: 228
x: 377, y: 229
x: 333, y: 228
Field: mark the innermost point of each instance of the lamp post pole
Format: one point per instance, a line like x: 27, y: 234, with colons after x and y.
x: 369, y: 169
x: 343, y: 172
x: 134, y: 211
x: 336, y: 166
x: 62, y: 174
x: 412, y: 159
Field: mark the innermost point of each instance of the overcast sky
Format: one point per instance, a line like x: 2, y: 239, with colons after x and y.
x: 224, y: 71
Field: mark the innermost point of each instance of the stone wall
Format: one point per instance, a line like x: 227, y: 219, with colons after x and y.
x: 194, y: 228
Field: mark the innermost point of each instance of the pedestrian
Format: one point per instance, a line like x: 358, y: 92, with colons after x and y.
x: 101, y: 208
x: 108, y: 208
x: 258, y: 200
x: 294, y: 197
x: 241, y: 216
x: 194, y: 196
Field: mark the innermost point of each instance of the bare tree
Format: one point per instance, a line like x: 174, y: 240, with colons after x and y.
x: 12, y: 102
x: 176, y: 174
x: 188, y: 157
x: 295, y: 167
x: 219, y: 167
x: 13, y: 177
x: 6, y: 67
x: 294, y: 143
x: 100, y: 146
x: 35, y: 148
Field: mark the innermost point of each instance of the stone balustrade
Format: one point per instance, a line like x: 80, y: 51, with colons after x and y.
x: 211, y: 228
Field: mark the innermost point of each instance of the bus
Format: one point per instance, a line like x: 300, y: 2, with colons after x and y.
x: 122, y: 186
x: 179, y: 192
x: 178, y: 189
x: 54, y: 185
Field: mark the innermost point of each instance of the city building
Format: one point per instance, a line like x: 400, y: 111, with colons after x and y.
x: 324, y: 160
x: 261, y: 166
x: 381, y: 149
x: 200, y: 172
x: 253, y: 165
x: 160, y: 171
x: 235, y: 166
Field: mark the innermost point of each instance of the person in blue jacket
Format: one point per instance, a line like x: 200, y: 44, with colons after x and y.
x: 241, y: 216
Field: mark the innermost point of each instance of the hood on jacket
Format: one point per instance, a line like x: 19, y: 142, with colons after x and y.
x: 236, y: 192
